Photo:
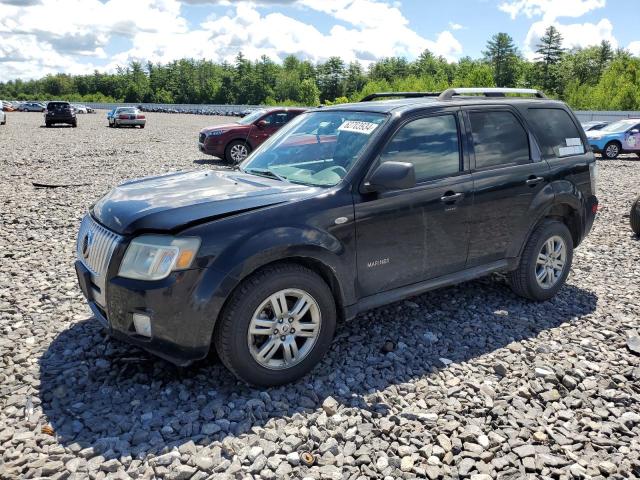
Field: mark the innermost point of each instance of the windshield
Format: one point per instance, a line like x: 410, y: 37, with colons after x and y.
x: 620, y: 126
x: 252, y: 117
x: 317, y: 148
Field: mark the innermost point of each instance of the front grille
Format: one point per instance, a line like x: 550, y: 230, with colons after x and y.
x: 95, y: 245
x: 202, y: 137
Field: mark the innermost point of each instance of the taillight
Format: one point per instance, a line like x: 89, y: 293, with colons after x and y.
x: 123, y: 117
x: 140, y: 117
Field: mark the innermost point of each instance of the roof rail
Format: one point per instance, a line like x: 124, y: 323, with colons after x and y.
x: 373, y: 96
x: 489, y: 92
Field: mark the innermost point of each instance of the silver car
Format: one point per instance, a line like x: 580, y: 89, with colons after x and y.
x: 126, y: 116
x: 32, y: 107
x: 3, y: 117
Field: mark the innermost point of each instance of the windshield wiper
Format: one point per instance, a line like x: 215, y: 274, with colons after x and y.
x: 265, y: 172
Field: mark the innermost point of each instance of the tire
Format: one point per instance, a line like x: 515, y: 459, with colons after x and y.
x: 141, y: 126
x: 238, y: 349
x: 611, y: 150
x: 74, y: 124
x: 47, y: 124
x: 634, y: 218
x: 236, y: 146
x: 524, y: 281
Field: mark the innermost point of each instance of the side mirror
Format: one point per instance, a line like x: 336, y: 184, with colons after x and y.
x: 391, y: 176
x: 262, y: 124
x: 634, y: 131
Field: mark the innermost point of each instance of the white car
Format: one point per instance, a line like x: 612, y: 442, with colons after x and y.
x: 3, y: 117
x: 80, y: 108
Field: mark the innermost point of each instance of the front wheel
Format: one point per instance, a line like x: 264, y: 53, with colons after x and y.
x: 635, y: 217
x: 611, y: 150
x: 276, y: 326
x: 545, y: 262
x: 237, y: 151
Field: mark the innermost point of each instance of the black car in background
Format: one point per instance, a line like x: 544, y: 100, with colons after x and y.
x: 344, y: 209
x: 60, y: 112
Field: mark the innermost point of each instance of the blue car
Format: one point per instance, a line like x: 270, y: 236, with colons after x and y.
x: 619, y: 137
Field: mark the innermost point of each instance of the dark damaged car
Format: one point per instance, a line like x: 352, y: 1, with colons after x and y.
x: 347, y: 208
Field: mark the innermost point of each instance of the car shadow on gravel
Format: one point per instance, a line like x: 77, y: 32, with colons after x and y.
x: 101, y: 393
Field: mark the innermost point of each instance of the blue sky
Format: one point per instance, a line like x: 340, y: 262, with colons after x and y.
x: 75, y: 36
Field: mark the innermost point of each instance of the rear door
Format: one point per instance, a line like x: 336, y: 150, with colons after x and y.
x: 507, y: 176
x: 407, y: 236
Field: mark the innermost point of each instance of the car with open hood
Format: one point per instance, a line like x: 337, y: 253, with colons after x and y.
x: 234, y: 141
x: 345, y: 209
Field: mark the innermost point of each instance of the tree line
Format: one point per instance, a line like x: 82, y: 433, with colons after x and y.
x: 596, y: 78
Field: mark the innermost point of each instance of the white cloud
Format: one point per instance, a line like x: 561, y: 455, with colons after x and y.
x: 634, y: 48
x: 550, y: 11
x: 456, y: 26
x: 75, y: 35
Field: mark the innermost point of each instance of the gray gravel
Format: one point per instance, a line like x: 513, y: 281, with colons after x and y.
x: 465, y: 382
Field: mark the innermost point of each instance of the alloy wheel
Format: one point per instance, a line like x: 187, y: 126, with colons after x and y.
x: 612, y: 150
x: 284, y: 329
x: 551, y: 262
x: 239, y: 152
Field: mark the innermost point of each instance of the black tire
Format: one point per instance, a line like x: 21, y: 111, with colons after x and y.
x: 612, y: 150
x: 230, y: 335
x: 523, y: 280
x: 228, y: 155
x: 47, y: 124
x: 141, y: 126
x: 634, y: 218
x: 74, y: 124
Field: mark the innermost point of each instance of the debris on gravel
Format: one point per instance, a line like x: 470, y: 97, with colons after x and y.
x: 464, y: 382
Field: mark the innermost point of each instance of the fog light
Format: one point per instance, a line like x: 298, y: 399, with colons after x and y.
x: 142, y: 324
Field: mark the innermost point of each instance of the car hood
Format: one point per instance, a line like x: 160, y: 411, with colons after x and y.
x: 224, y: 126
x: 175, y: 201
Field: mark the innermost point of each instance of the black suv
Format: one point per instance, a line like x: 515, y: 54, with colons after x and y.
x: 345, y: 209
x: 60, y: 112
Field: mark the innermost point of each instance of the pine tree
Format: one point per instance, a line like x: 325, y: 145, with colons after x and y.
x: 550, y: 53
x: 502, y: 54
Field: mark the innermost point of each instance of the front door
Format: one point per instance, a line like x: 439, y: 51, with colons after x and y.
x: 263, y: 128
x: 407, y: 236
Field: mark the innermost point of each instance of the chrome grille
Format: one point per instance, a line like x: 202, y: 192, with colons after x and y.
x: 95, y: 245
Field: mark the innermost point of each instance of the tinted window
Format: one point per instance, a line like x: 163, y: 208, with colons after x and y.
x: 431, y: 144
x: 498, y: 139
x: 557, y: 134
x: 277, y: 118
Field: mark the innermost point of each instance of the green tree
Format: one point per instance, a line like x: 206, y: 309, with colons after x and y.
x: 550, y: 51
x: 309, y: 93
x: 502, y: 55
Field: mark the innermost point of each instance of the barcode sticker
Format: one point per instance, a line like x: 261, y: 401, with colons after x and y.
x: 354, y: 126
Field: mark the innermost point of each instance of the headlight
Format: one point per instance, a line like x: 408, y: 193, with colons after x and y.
x: 215, y: 133
x: 154, y: 257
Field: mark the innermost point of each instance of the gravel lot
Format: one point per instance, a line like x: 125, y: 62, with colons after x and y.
x: 479, y: 383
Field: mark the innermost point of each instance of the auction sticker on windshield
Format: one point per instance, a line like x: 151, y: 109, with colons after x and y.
x: 358, y: 127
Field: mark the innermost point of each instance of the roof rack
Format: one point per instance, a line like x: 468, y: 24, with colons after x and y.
x: 489, y: 92
x: 373, y: 96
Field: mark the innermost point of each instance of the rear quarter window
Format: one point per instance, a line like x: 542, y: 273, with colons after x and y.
x: 556, y: 132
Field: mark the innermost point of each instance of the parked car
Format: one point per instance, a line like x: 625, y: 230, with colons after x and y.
x: 7, y: 106
x: 60, y: 112
x: 235, y: 141
x: 345, y: 209
x: 619, y: 137
x: 594, y: 125
x: 79, y: 108
x: 32, y: 107
x: 3, y: 118
x: 126, y: 117
x: 635, y: 217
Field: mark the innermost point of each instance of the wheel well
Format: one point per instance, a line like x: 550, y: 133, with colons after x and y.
x: 243, y: 140
x: 569, y: 216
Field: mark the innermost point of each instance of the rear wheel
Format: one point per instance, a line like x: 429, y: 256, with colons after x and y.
x: 74, y: 124
x: 611, y: 150
x: 141, y: 126
x: 47, y: 124
x: 276, y: 326
x: 545, y: 262
x: 635, y: 217
x: 237, y: 151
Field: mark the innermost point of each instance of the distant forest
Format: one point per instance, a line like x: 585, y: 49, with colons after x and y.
x: 594, y: 78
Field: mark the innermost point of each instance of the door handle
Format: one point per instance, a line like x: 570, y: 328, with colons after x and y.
x: 451, y: 197
x: 532, y: 181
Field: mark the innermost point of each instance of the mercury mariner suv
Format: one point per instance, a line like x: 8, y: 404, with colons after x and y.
x: 345, y: 209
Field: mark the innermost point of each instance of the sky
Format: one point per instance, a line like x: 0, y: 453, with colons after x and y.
x: 38, y: 37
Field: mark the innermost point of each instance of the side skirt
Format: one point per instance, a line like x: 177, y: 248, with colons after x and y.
x: 397, y: 294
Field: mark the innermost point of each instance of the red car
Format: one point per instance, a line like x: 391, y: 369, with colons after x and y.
x: 235, y: 141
